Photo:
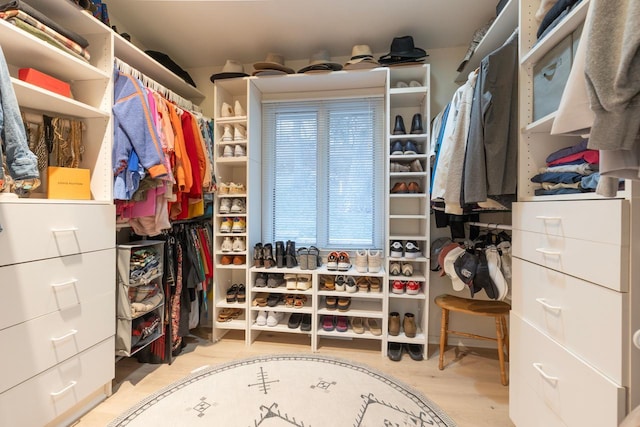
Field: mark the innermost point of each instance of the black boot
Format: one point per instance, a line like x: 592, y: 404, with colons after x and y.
x: 258, y: 258
x: 291, y: 254
x: 416, y: 124
x: 280, y: 254
x: 399, y: 129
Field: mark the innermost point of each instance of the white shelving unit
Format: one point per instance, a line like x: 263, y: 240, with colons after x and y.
x: 552, y: 362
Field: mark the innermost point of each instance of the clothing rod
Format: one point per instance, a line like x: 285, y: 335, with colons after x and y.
x: 154, y: 85
x: 489, y: 225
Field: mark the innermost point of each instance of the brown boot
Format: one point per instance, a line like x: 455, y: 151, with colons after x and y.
x: 409, y: 325
x: 394, y: 323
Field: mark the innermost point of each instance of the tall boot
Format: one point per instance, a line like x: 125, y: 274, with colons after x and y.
x: 291, y: 254
x: 280, y: 254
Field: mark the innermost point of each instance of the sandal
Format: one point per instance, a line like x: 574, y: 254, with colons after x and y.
x: 292, y: 281
x: 344, y: 303
x: 299, y: 301
x: 304, y: 282
x: 374, y: 284
x: 241, y: 296
x: 331, y: 302
x: 289, y: 300
x: 228, y: 314
x: 260, y: 299
x: 363, y: 284
x: 328, y: 283
x: 232, y: 293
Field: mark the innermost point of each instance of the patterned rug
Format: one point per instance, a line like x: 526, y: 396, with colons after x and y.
x: 286, y: 390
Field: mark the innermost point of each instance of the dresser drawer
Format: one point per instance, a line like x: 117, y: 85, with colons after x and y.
x: 43, y: 398
x: 602, y: 263
x: 34, y: 346
x: 573, y: 390
x: 37, y: 288
x: 38, y: 231
x: 527, y: 409
x: 573, y: 312
x: 605, y: 221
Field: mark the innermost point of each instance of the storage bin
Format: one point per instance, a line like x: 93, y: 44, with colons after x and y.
x: 550, y: 76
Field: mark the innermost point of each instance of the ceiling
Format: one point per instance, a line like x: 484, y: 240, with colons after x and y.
x: 208, y: 32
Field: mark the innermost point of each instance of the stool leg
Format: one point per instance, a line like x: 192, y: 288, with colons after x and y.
x: 505, y: 332
x: 503, y: 373
x: 444, y: 326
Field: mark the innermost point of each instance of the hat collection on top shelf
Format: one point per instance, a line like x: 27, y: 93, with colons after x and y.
x: 402, y: 52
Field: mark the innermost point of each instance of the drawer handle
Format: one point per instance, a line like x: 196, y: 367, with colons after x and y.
x: 70, y: 282
x: 65, y: 336
x: 545, y: 304
x: 67, y: 388
x: 549, y: 218
x: 548, y: 252
x: 64, y: 230
x: 552, y: 380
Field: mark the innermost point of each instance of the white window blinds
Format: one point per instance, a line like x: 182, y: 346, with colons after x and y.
x: 323, y: 170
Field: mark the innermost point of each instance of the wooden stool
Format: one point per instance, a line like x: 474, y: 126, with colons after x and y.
x: 496, y: 309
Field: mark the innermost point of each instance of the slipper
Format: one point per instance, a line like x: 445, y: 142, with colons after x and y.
x: 331, y: 302
x: 232, y: 293
x: 260, y: 299
x: 357, y: 325
x: 292, y: 281
x: 343, y: 304
x: 374, y: 284
x: 374, y: 326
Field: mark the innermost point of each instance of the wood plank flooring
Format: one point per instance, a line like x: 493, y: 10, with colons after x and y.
x: 468, y: 389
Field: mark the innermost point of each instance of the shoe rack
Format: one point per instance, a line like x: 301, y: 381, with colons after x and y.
x: 408, y: 208
x: 230, y: 208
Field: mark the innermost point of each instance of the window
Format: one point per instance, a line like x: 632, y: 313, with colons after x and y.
x: 323, y: 173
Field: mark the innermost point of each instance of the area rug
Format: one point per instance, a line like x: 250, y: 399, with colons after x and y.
x: 286, y: 390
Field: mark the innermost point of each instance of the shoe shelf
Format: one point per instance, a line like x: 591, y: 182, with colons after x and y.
x: 347, y: 334
x: 238, y: 324
x: 419, y: 296
x: 420, y: 338
x: 323, y: 270
x: 235, y: 120
x: 359, y: 294
x: 417, y: 137
x: 358, y: 308
x: 233, y: 160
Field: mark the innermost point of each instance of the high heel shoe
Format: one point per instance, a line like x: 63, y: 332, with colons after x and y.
x: 267, y: 255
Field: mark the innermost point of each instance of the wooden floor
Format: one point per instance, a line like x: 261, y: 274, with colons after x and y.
x: 468, y: 389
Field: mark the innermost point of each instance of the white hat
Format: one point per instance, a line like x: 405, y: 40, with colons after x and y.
x: 361, y: 58
x: 493, y: 260
x: 230, y: 70
x: 449, y: 259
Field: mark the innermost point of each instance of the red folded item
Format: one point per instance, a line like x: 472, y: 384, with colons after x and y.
x: 45, y: 81
x: 589, y: 156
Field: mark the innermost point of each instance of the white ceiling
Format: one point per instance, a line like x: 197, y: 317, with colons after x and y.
x: 208, y: 32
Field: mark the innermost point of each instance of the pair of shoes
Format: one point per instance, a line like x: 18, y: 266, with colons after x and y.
x: 231, y: 188
x: 237, y: 110
x: 416, y: 125
x: 368, y: 261
x: 408, y: 324
x: 228, y: 314
x: 402, y: 187
x: 395, y: 351
x: 235, y: 225
x: 235, y: 151
x: 406, y: 269
x: 236, y: 293
x: 228, y: 205
x: 399, y: 167
x: 239, y: 133
x: 409, y: 250
x: 301, y: 282
x: 413, y: 83
x: 235, y: 260
x: 338, y: 261
x: 411, y: 287
x: 308, y: 258
x: 407, y: 148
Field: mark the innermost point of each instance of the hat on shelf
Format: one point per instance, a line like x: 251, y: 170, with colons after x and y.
x: 273, y: 62
x: 361, y: 58
x: 230, y: 70
x: 320, y: 61
x: 403, y: 50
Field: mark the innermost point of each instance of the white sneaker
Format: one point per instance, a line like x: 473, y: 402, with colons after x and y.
x: 226, y: 245
x: 225, y: 205
x: 274, y: 318
x: 361, y: 261
x: 238, y: 206
x: 238, y: 245
x: 226, y: 134
x: 239, y: 133
x: 261, y: 318
x: 238, y: 151
x: 237, y: 107
x: 375, y: 260
x: 223, y: 188
x: 226, y: 110
x: 228, y: 151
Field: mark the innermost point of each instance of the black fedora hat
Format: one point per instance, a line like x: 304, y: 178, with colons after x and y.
x: 403, y: 48
x: 230, y: 70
